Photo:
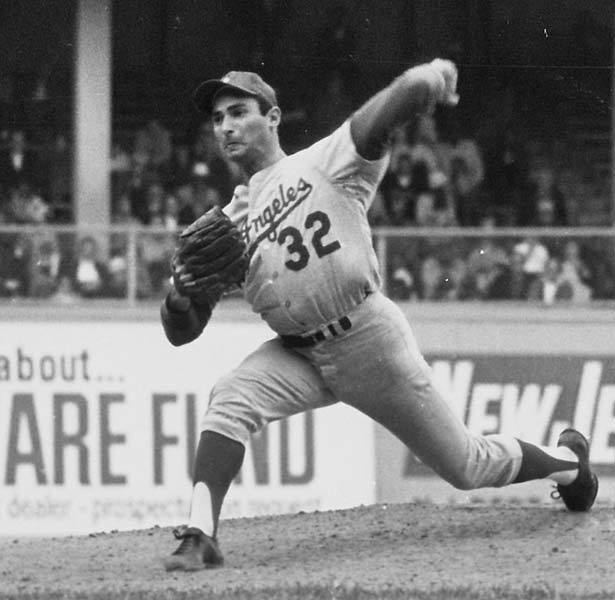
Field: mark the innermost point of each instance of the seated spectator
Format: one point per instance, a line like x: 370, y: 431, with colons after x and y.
x: 506, y: 175
x: 153, y: 147
x: 573, y: 265
x: 459, y: 282
x: 402, y: 285
x: 431, y: 284
x: 434, y: 204
x: 156, y: 247
x: 185, y: 198
x: 426, y: 147
x: 376, y: 215
x: 45, y: 268
x: 206, y: 196
x: 170, y: 210
x: 210, y: 166
x: 485, y: 258
x: 398, y: 193
x: 25, y: 205
x: 536, y: 256
x: 58, y: 170
x: 400, y: 145
x: 182, y: 170
x: 19, y: 164
x: 89, y: 274
x: 118, y: 275
x: 544, y: 204
x: 465, y: 193
x: 14, y: 251
x: 551, y: 286
x: 121, y: 169
x: 509, y: 281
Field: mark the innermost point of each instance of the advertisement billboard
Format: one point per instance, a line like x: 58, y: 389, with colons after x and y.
x: 99, y: 423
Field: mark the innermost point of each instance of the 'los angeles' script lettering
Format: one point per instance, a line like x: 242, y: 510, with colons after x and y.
x: 265, y: 223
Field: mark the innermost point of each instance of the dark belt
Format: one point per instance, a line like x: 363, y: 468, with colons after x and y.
x: 311, y: 339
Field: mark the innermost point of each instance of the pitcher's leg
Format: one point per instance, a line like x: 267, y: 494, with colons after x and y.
x: 396, y: 389
x: 270, y: 384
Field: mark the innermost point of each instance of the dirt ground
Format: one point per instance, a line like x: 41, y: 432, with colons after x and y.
x: 424, y: 551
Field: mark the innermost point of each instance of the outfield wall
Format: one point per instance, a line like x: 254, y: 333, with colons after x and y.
x: 99, y: 414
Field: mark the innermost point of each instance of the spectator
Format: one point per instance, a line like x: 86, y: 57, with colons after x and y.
x: 573, y: 265
x: 185, y: 198
x: 431, y: 284
x: 507, y: 173
x: 465, y: 193
x: 209, y: 164
x: 536, y: 256
x: 182, y: 169
x: 170, y: 209
x: 402, y: 285
x: 398, y: 194
x: 400, y: 145
x: 25, y: 206
x: 206, y: 197
x: 153, y: 147
x: 465, y: 151
x: 14, y: 279
x: 18, y: 163
x: 156, y: 247
x: 121, y: 168
x: 45, y: 269
x: 425, y: 147
x: 459, y: 283
x: 485, y: 259
x: 551, y: 286
x: 509, y: 281
x: 154, y: 204
x: 434, y: 203
x: 544, y: 204
x: 58, y: 175
x: 89, y: 274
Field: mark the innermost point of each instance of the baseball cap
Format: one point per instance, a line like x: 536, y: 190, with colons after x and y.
x: 243, y: 82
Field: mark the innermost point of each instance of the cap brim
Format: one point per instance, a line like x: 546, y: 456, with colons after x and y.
x: 205, y: 93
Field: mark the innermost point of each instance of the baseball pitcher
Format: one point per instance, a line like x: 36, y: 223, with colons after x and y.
x: 297, y: 240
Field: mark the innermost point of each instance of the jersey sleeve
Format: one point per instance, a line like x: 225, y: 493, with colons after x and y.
x: 337, y: 158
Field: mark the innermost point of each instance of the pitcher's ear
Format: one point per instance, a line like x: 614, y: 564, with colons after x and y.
x: 275, y: 116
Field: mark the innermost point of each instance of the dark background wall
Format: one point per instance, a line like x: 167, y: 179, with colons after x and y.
x: 162, y: 48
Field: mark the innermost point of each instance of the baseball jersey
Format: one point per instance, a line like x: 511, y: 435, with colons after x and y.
x: 305, y: 222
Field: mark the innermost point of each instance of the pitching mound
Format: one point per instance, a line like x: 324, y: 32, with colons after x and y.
x: 401, y: 551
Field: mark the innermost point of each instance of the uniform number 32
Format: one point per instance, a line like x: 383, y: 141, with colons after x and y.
x: 319, y: 221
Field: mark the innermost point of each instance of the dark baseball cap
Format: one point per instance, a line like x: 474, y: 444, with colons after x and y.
x: 244, y: 83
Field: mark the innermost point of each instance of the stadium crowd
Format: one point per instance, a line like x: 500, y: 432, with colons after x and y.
x: 439, y: 176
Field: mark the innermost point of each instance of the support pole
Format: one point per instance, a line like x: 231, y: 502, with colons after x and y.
x: 92, y: 112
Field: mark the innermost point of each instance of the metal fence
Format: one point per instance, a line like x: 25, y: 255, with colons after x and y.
x: 131, y: 263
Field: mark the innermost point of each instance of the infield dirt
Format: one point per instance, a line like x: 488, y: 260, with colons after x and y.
x: 395, y: 551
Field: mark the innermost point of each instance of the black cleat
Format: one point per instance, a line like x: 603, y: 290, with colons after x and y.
x: 581, y: 493
x: 197, y: 551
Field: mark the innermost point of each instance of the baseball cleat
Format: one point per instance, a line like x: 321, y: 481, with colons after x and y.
x: 581, y: 493
x: 197, y: 551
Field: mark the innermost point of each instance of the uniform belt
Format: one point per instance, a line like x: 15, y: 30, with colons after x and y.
x: 311, y: 339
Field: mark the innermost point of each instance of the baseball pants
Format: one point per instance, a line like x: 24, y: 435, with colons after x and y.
x: 376, y: 367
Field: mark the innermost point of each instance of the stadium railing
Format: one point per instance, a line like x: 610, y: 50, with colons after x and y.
x: 132, y: 261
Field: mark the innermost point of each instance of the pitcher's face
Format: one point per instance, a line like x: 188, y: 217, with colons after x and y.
x: 243, y: 132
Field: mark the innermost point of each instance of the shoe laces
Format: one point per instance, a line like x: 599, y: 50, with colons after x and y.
x: 555, y: 494
x: 188, y: 541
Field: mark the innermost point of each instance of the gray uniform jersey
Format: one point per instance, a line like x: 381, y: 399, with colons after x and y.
x: 305, y: 221
x: 313, y: 263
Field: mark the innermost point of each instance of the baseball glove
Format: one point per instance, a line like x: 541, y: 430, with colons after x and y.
x: 210, y: 258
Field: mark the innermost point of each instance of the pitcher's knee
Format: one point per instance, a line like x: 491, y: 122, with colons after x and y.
x: 461, y: 480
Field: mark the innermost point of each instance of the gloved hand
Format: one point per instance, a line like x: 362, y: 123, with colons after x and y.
x: 210, y: 258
